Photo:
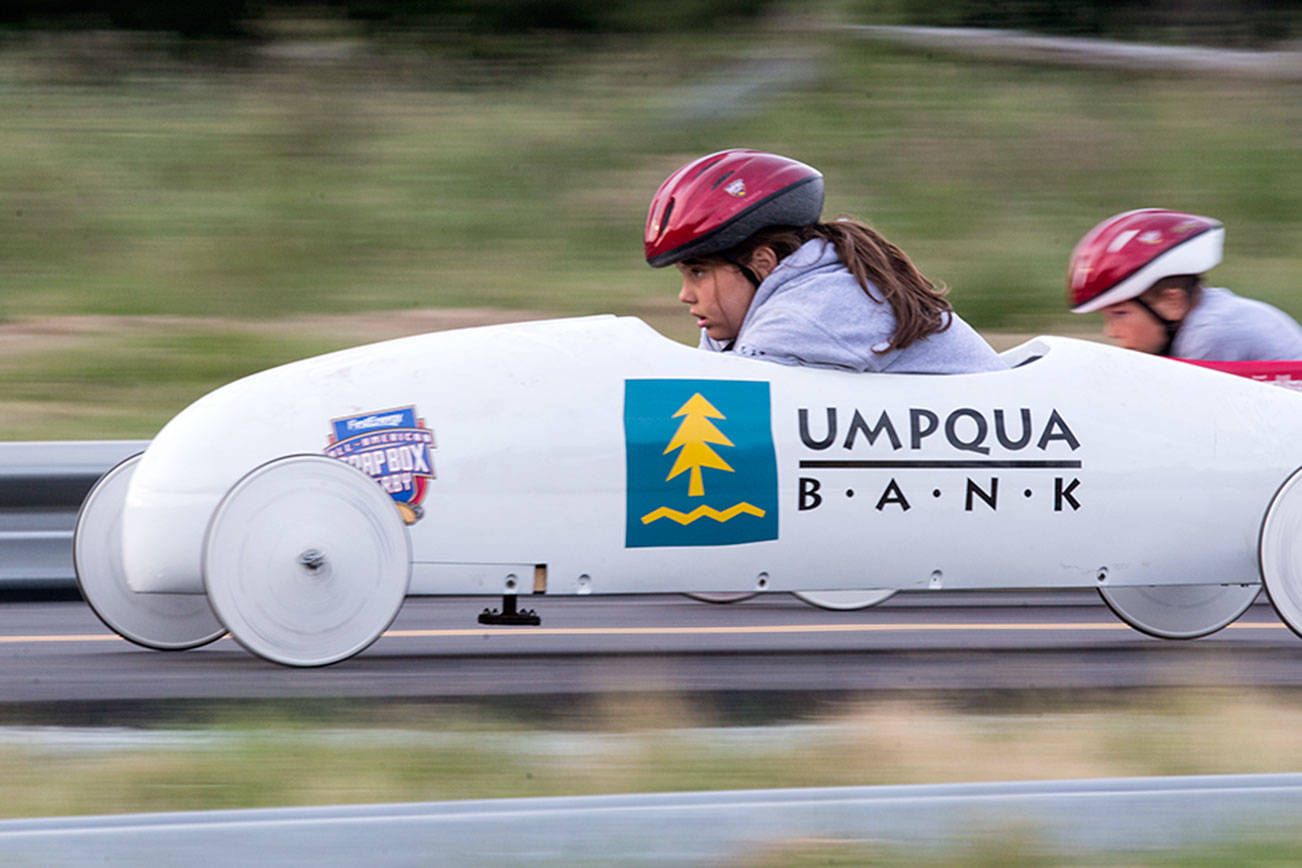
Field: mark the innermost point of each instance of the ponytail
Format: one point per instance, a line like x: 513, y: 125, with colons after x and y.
x: 919, y: 305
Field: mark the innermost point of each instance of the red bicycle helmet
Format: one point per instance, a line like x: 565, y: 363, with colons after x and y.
x: 1126, y: 254
x: 720, y: 200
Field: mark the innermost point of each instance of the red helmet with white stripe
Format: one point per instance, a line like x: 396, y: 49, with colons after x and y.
x: 718, y: 201
x: 1126, y: 254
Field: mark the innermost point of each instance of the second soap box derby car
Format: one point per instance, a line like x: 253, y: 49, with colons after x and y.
x: 297, y: 507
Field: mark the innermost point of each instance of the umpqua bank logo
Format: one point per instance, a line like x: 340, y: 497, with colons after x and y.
x: 701, y: 469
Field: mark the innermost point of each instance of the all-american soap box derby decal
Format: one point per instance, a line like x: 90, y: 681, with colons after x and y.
x: 700, y: 462
x: 393, y: 448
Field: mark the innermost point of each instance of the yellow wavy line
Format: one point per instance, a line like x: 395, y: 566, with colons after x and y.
x: 686, y: 518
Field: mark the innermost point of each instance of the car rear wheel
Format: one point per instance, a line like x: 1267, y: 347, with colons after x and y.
x: 1280, y: 552
x: 845, y: 601
x: 1180, y: 611
x: 722, y: 596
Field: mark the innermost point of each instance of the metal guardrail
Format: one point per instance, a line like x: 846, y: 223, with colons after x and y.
x: 41, y: 486
x: 1017, y: 45
x: 692, y: 828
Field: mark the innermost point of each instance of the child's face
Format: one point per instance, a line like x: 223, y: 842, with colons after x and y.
x: 718, y: 295
x: 1128, y: 325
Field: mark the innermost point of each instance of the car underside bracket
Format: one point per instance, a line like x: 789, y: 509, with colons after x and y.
x: 509, y: 615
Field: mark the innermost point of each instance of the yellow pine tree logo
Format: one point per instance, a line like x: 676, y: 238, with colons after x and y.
x: 693, y: 439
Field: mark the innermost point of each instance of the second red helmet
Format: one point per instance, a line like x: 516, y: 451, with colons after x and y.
x: 717, y: 201
x: 1126, y: 254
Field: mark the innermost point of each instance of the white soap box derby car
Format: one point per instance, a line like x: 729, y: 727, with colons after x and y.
x: 595, y: 456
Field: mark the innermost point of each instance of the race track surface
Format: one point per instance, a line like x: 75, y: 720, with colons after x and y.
x: 58, y: 652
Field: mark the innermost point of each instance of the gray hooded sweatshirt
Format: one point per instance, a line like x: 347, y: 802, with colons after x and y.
x: 1229, y: 328
x: 811, y: 311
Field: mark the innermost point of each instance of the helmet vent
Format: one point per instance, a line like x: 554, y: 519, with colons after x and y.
x: 725, y: 176
x: 664, y: 219
x: 704, y: 168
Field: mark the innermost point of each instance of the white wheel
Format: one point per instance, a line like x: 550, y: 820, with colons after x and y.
x: 845, y: 601
x: 164, y: 622
x: 723, y: 596
x: 1179, y: 611
x: 306, y: 561
x: 1280, y: 552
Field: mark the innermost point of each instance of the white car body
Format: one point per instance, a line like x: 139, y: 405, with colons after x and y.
x: 552, y: 449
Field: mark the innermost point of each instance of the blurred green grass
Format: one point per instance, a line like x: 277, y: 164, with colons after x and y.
x: 335, y: 175
x: 259, y: 755
x: 1022, y: 848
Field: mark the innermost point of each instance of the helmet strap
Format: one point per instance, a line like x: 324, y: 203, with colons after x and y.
x: 745, y: 270
x: 1171, y: 325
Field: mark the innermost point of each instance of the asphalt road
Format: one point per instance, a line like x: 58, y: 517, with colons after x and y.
x: 58, y: 652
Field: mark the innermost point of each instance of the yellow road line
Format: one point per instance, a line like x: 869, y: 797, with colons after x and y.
x: 688, y: 631
x: 85, y: 637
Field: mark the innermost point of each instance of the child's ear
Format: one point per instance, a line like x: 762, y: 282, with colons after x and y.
x: 763, y: 260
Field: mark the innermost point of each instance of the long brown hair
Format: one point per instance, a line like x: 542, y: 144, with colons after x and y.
x: 919, y: 305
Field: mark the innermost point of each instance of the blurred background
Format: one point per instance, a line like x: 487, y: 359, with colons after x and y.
x: 190, y: 192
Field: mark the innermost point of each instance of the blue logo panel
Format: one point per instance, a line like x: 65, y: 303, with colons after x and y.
x: 393, y: 448
x: 701, y: 468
